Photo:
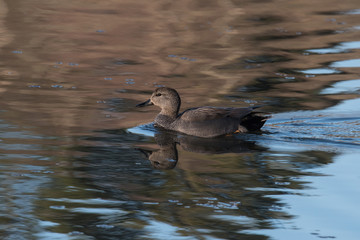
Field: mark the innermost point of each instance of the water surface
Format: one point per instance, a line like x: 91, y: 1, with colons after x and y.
x: 79, y: 161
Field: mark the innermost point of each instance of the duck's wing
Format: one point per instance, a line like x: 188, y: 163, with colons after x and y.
x: 202, y: 114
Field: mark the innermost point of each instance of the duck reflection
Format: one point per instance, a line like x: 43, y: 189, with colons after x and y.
x: 243, y: 190
x: 166, y: 157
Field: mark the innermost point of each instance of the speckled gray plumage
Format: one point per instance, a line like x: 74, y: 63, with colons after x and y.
x: 202, y: 121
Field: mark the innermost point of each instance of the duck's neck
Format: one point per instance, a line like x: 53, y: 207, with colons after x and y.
x: 171, y: 113
x: 166, y: 118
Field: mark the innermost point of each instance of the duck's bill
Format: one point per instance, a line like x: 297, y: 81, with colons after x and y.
x: 146, y: 103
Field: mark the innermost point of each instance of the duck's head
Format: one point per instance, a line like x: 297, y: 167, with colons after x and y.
x: 166, y: 98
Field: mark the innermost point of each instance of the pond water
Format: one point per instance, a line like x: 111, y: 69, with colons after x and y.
x: 79, y: 161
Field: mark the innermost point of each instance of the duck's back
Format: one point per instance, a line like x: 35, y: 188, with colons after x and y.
x: 214, y: 121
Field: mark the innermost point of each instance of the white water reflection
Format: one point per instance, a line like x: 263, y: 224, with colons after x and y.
x: 146, y: 130
x: 352, y: 12
x: 62, y: 236
x: 351, y: 63
x: 343, y: 87
x: 339, y: 48
x: 348, y: 108
x: 87, y: 201
x: 99, y: 211
x: 160, y: 230
x: 320, y: 71
x: 240, y: 220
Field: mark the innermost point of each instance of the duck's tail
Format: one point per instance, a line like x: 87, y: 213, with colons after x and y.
x: 254, y: 120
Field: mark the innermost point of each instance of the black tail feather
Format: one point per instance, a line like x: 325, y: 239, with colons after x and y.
x: 254, y: 121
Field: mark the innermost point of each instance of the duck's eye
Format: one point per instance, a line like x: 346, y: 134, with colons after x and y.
x: 158, y: 94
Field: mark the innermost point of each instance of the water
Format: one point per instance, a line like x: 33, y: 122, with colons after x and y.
x: 79, y: 161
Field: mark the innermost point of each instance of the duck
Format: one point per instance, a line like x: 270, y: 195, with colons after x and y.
x: 206, y: 121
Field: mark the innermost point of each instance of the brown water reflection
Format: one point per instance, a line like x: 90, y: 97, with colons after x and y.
x: 71, y: 73
x: 62, y: 60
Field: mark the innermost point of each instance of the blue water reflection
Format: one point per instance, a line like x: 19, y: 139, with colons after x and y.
x: 351, y: 63
x: 78, y: 161
x: 343, y: 87
x: 339, y: 48
x: 320, y: 71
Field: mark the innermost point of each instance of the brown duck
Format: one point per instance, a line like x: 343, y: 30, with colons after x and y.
x: 202, y: 121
